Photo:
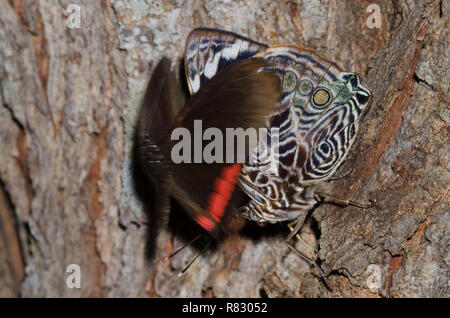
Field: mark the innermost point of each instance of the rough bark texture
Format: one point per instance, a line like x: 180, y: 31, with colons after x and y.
x: 68, y: 195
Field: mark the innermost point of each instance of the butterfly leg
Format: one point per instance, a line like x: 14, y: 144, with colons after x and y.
x: 331, y: 199
x: 294, y: 232
x: 312, y: 262
x: 295, y: 226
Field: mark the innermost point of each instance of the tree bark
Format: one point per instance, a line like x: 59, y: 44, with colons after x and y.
x: 70, y: 194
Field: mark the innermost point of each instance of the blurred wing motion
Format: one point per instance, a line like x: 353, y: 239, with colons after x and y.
x: 242, y: 95
x: 162, y: 101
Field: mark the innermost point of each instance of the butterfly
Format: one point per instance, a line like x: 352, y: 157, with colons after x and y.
x: 311, y: 108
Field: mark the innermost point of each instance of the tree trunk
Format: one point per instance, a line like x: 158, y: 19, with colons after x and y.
x: 69, y: 193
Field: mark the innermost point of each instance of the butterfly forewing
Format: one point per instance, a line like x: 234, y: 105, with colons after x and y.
x: 208, y: 51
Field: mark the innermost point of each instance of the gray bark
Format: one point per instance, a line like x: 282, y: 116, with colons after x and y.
x: 68, y: 104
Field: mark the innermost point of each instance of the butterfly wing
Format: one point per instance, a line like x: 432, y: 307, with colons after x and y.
x: 330, y: 137
x: 317, y: 122
x: 209, y: 50
x: 242, y: 95
x: 320, y: 111
x: 162, y: 101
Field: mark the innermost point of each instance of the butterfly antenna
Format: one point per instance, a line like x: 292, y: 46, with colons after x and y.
x: 196, y: 256
x: 184, y: 246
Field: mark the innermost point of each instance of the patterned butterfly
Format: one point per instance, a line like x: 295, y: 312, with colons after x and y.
x: 238, y: 82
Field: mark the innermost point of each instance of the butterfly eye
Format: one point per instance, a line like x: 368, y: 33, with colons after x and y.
x: 305, y: 87
x: 321, y: 97
x: 289, y: 81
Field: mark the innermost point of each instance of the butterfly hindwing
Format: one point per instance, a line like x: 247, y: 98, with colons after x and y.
x: 320, y: 111
x: 321, y: 107
x: 334, y: 131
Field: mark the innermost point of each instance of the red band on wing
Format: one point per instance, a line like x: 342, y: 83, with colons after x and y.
x: 223, y: 189
x: 205, y: 222
x: 217, y: 205
x: 231, y: 173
